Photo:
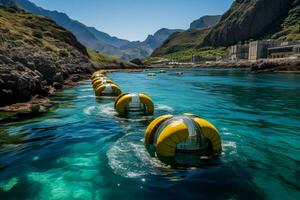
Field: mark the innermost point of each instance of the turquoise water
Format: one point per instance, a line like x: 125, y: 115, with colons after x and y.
x: 81, y: 150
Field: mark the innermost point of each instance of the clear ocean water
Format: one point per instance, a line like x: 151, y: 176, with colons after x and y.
x: 81, y: 150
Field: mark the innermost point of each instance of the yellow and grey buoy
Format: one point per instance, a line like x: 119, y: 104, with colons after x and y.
x: 108, y: 89
x: 187, y: 134
x: 100, y: 73
x: 134, y: 103
x: 100, y: 81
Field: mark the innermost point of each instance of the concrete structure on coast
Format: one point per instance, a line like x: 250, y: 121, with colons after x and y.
x: 264, y: 49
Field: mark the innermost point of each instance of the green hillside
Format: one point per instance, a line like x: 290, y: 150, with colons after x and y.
x: 100, y: 59
x: 181, y: 42
x: 186, y: 55
x: 291, y: 25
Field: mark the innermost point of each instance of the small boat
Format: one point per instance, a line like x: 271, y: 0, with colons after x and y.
x: 151, y: 74
x: 179, y: 73
x: 162, y: 71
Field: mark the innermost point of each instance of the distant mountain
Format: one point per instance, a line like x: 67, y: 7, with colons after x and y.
x: 78, y: 29
x: 145, y: 48
x: 205, y: 22
x: 95, y: 39
x: 107, y: 38
x: 160, y: 36
x: 8, y: 3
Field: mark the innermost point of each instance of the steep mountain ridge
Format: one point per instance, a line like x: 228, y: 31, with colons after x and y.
x: 93, y: 38
x: 78, y: 29
x: 205, y: 22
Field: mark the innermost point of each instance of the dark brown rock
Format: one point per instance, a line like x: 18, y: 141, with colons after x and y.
x: 57, y: 85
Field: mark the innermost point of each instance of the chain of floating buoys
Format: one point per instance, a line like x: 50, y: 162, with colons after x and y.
x: 103, y: 86
x: 167, y: 136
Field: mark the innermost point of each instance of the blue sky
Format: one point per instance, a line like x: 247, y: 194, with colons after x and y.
x: 135, y: 19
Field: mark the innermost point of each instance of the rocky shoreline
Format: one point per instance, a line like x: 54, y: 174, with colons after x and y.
x: 256, y: 67
x: 40, y: 103
x: 38, y: 57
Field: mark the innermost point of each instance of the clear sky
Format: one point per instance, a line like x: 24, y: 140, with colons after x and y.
x: 135, y: 19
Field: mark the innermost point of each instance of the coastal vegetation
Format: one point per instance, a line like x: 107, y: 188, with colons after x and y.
x: 181, y: 41
x: 186, y: 55
x: 241, y: 23
x: 291, y: 25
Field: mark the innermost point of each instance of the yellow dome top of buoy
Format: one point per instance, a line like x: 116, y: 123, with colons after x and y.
x: 108, y: 89
x: 183, y: 133
x: 134, y: 103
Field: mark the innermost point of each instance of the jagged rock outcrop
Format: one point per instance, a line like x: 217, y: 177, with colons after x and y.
x: 35, y: 53
x: 248, y: 19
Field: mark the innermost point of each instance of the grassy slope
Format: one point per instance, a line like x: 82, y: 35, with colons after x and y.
x: 27, y: 29
x: 291, y: 26
x: 186, y: 55
x: 100, y: 59
x: 181, y: 41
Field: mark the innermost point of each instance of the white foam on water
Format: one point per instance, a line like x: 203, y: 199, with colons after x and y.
x: 229, y: 147
x: 90, y: 110
x: 130, y: 159
x: 164, y: 108
x: 224, y: 129
x: 101, y: 110
x: 86, y: 97
x: 226, y: 133
x: 86, y: 90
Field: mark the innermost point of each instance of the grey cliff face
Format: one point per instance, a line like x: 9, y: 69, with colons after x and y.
x: 247, y: 19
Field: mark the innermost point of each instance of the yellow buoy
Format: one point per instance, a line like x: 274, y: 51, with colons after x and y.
x: 134, y: 103
x: 98, y: 74
x: 108, y: 89
x: 100, y: 81
x: 100, y: 78
x: 184, y: 134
